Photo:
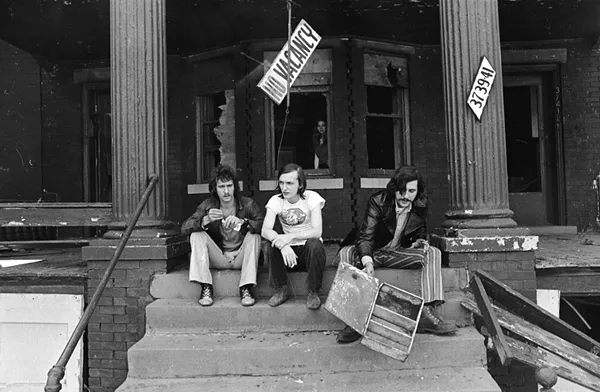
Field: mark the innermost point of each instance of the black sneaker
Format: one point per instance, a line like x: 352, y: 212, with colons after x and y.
x: 246, y: 296
x: 206, y: 297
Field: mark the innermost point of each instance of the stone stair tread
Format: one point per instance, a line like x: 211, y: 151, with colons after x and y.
x: 185, y: 315
x: 225, y: 282
x: 446, y: 379
x: 159, y: 355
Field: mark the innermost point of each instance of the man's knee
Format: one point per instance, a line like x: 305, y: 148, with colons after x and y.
x: 314, y: 244
x: 199, y: 238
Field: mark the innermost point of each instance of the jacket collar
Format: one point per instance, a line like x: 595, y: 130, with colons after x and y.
x: 413, y: 222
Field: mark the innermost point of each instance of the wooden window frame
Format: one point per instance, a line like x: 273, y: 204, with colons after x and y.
x: 271, y: 158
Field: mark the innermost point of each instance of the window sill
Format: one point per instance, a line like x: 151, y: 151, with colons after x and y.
x: 202, y: 189
x: 374, y: 182
x: 312, y: 183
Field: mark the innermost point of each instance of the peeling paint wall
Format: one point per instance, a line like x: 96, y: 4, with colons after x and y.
x: 225, y: 131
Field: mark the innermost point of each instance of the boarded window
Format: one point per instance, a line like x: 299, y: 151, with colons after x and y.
x: 385, y: 118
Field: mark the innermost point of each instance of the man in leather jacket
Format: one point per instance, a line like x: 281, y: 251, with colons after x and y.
x: 393, y: 234
x: 225, y: 234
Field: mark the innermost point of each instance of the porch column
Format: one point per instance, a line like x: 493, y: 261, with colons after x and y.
x: 476, y: 149
x: 139, y: 110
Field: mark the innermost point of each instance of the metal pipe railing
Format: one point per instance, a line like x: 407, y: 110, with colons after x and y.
x: 57, y: 372
x: 596, y: 187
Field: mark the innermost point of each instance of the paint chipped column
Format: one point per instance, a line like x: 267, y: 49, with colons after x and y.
x: 476, y: 149
x: 479, y: 232
x: 139, y: 129
x: 138, y: 109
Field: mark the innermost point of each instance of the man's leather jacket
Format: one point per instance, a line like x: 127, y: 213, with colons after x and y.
x: 248, y: 210
x: 379, y: 225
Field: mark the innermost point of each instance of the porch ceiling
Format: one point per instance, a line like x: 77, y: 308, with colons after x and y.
x: 79, y: 29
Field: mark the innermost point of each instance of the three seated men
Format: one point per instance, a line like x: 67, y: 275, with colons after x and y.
x: 225, y: 234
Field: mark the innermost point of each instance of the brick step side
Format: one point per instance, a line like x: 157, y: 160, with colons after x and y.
x: 226, y: 282
x: 260, y: 354
x: 227, y: 315
x: 446, y: 379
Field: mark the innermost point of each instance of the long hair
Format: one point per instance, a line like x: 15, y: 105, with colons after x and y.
x: 289, y: 168
x: 224, y: 173
x: 401, y: 177
x: 317, y: 135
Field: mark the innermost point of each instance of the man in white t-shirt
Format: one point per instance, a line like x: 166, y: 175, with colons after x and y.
x: 299, y: 248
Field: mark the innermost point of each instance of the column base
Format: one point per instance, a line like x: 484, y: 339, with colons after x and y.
x: 507, y: 254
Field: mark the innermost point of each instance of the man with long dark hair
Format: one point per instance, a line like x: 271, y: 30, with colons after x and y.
x: 393, y: 234
x: 225, y: 234
x: 299, y: 248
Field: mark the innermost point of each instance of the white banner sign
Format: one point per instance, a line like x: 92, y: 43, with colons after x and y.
x: 481, y: 87
x: 301, y: 45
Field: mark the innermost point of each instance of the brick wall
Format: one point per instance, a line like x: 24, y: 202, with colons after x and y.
x: 581, y: 122
x: 119, y: 319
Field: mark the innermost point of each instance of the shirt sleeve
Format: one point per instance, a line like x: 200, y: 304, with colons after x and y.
x: 275, y: 203
x: 315, y: 200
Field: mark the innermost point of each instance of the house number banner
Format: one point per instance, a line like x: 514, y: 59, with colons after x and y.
x: 301, y: 45
x: 480, y: 91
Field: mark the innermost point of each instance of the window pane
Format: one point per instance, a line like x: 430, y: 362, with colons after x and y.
x: 209, y: 137
x: 302, y: 138
x: 380, y: 143
x: 380, y: 100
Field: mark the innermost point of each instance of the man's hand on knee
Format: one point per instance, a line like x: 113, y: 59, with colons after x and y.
x: 289, y: 256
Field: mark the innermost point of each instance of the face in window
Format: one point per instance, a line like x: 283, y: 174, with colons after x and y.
x: 289, y: 185
x: 225, y: 191
x: 321, y: 127
x: 405, y: 198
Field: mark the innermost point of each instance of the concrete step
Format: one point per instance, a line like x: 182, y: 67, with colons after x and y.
x: 446, y: 379
x: 260, y: 354
x: 175, y: 315
x: 226, y: 282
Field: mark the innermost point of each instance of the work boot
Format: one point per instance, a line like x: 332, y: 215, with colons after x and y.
x: 313, y: 301
x: 280, y: 296
x: 430, y: 323
x: 246, y: 296
x: 206, y: 297
x: 347, y: 335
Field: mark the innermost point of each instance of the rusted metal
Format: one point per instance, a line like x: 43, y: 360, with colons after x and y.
x: 57, y: 372
x: 385, y: 315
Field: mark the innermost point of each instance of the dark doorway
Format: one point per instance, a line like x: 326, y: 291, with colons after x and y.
x: 531, y: 148
x: 97, y: 144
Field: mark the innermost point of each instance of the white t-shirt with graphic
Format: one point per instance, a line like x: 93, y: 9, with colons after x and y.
x: 296, y: 217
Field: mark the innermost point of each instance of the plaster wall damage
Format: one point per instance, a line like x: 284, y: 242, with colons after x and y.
x: 225, y: 131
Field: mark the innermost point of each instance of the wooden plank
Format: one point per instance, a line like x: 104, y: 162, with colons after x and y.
x: 491, y: 322
x: 49, y: 215
x: 390, y: 333
x: 526, y: 309
x: 539, y: 357
x: 540, y: 337
x: 386, y: 349
x: 394, y: 318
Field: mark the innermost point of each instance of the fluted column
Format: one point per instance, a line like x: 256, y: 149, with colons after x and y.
x: 138, y: 106
x: 476, y: 149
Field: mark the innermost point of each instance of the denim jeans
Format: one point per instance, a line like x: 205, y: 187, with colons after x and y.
x: 311, y: 258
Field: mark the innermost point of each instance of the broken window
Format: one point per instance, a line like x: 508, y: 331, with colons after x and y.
x: 386, y: 90
x: 305, y: 140
x: 215, y: 133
